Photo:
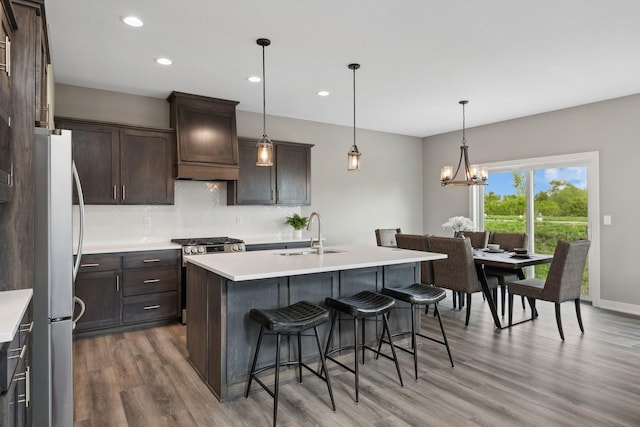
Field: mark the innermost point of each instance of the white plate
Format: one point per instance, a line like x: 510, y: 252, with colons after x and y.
x: 494, y: 251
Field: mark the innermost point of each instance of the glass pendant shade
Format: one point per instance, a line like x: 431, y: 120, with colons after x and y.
x: 265, y: 151
x: 353, y: 157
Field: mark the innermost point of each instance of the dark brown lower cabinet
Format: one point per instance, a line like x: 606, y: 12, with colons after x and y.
x: 15, y: 378
x: 128, y: 288
x: 98, y: 285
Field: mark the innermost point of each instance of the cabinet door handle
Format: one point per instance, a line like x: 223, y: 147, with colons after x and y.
x: 115, y: 192
x: 6, y: 44
x: 15, y: 350
x: 45, y: 109
x: 117, y: 283
x: 152, y: 260
x: 90, y: 265
x: 151, y: 307
x: 17, y: 356
x: 124, y: 193
x: 277, y: 195
x: 26, y: 327
x: 152, y: 281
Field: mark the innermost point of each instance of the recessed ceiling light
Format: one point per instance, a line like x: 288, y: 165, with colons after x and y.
x: 164, y: 61
x: 254, y: 79
x: 323, y: 93
x: 133, y: 21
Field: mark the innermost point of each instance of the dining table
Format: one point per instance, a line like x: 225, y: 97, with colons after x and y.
x: 504, y: 260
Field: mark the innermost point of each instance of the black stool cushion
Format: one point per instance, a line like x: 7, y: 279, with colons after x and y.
x: 294, y: 318
x: 362, y: 304
x: 416, y: 294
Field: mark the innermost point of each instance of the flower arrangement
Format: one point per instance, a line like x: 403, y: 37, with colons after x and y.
x: 459, y: 223
x: 296, y: 221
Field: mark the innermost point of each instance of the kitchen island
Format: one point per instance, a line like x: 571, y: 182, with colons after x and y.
x: 223, y: 287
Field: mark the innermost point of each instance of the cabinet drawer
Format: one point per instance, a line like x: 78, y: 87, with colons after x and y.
x: 150, y: 307
x: 100, y: 262
x: 149, y: 280
x: 11, y: 353
x: 150, y: 259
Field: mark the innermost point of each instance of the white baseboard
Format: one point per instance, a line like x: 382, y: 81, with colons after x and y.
x: 620, y: 307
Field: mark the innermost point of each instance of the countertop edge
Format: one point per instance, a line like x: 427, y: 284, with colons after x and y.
x: 13, y: 306
x: 416, y: 256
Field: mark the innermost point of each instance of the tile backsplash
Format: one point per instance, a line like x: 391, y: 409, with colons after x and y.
x: 200, y: 210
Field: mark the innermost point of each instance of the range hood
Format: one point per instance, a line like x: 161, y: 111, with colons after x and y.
x: 206, y: 137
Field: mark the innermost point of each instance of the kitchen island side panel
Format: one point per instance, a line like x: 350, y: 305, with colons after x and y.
x: 231, y: 336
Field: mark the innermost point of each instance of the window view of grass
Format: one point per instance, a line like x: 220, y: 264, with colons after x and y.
x: 560, y: 211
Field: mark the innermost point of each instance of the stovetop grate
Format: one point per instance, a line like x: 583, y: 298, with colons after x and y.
x: 206, y: 241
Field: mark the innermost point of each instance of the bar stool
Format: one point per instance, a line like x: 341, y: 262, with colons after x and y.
x: 362, y: 305
x: 417, y: 295
x: 293, y: 319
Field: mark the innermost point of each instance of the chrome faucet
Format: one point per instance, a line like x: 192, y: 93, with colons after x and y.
x: 318, y: 243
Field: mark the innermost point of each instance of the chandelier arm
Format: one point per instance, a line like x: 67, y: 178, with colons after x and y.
x: 462, y: 155
x: 467, y: 171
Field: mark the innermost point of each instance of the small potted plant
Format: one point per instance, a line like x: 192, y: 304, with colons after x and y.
x: 298, y: 223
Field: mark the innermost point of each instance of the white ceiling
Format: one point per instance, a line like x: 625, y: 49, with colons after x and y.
x: 510, y: 58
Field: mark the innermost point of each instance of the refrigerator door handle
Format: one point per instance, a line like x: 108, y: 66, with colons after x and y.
x: 76, y: 179
x: 78, y: 301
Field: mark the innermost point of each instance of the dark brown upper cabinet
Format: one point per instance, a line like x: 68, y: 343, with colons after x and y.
x: 7, y: 26
x: 120, y: 164
x: 287, y: 182
x: 206, y: 137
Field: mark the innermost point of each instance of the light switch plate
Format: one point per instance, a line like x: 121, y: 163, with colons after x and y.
x: 606, y: 219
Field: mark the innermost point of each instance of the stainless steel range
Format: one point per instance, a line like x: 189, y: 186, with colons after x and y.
x: 202, y: 246
x: 199, y: 246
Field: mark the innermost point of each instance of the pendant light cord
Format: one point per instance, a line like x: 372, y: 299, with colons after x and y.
x: 264, y: 99
x: 354, y: 106
x: 464, y: 139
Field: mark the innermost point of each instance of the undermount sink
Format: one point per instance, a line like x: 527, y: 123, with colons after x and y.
x: 310, y: 252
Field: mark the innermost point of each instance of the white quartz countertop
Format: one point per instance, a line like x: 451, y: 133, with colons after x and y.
x: 241, y: 266
x: 13, y: 305
x: 126, y: 247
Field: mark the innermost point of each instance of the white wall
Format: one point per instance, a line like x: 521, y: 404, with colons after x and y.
x: 609, y: 127
x: 386, y: 193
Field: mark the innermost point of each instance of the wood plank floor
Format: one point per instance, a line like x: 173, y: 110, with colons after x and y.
x: 525, y: 376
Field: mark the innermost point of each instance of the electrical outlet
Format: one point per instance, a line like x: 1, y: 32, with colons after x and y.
x: 239, y: 219
x: 606, y: 220
x: 147, y: 221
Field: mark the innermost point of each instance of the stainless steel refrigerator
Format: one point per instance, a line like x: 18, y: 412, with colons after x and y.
x: 53, y: 291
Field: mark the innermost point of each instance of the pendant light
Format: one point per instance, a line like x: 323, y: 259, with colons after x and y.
x: 353, y: 156
x: 473, y: 175
x: 264, y: 145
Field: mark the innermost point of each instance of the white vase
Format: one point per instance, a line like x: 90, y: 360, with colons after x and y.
x: 297, y: 234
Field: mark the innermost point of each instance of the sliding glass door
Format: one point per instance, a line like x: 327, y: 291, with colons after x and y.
x: 550, y: 199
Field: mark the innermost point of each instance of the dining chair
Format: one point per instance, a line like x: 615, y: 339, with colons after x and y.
x: 457, y: 272
x: 507, y: 242
x: 563, y: 282
x: 479, y: 239
x: 418, y: 242
x: 387, y: 236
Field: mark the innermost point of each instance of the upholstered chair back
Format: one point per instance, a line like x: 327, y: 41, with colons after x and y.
x: 387, y: 236
x: 458, y: 271
x: 418, y: 242
x: 565, y: 274
x: 479, y: 239
x: 508, y: 241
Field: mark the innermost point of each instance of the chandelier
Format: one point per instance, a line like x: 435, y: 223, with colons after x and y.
x: 473, y: 175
